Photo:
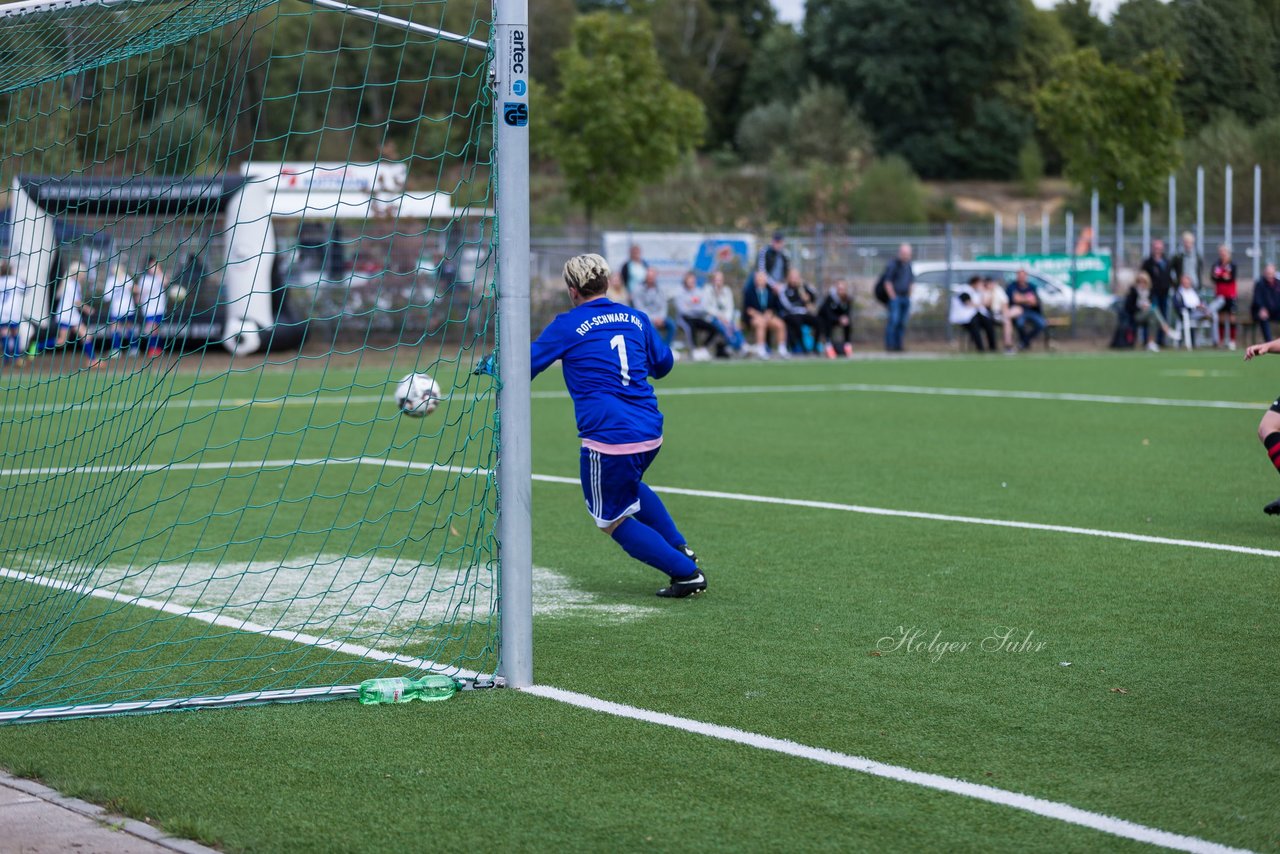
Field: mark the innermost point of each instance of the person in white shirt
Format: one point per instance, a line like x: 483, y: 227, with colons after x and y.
x: 693, y: 307
x: 149, y: 294
x: 994, y: 302
x: 652, y: 301
x: 12, y: 297
x: 121, y: 310
x: 71, y: 311
x: 1188, y: 309
x: 971, y: 309
x: 724, y: 314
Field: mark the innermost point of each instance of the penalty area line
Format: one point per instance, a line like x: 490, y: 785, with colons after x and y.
x: 943, y: 517
x: 941, y: 391
x: 1001, y: 797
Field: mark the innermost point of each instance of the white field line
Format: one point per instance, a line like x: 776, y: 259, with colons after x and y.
x: 1038, y: 806
x: 941, y: 517
x: 182, y: 403
x: 941, y: 391
x: 282, y: 465
x: 1027, y: 803
x: 676, y: 391
x: 261, y: 465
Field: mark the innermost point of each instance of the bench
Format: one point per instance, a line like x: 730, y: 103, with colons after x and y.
x: 1059, y: 323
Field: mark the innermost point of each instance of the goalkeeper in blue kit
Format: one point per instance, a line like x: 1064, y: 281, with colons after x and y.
x: 608, y: 353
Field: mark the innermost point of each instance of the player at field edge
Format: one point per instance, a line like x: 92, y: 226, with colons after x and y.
x: 12, y: 296
x: 608, y: 352
x: 71, y: 311
x: 149, y: 295
x: 1269, y: 426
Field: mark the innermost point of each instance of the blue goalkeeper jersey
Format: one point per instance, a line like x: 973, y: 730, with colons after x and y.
x: 608, y: 352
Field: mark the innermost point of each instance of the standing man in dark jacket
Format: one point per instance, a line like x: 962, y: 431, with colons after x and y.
x: 1163, y: 282
x: 1266, y: 300
x: 634, y: 270
x: 897, y: 279
x: 774, y: 262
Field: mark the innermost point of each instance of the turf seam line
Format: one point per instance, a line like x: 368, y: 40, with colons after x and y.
x: 1002, y: 797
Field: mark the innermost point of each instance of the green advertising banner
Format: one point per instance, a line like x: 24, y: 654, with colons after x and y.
x: 1091, y: 271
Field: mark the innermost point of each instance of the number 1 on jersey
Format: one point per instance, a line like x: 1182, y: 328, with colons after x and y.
x: 619, y: 343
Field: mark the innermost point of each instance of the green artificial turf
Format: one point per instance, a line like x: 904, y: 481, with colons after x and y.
x: 1152, y: 697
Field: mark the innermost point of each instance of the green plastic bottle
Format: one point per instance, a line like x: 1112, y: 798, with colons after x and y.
x: 402, y: 689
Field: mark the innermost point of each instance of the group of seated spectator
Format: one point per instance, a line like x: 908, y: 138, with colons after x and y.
x: 795, y: 318
x: 986, y: 304
x: 778, y: 316
x: 1165, y: 302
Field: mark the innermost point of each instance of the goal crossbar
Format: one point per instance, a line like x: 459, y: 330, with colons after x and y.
x: 37, y: 7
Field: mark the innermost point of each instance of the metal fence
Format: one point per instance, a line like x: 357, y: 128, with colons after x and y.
x: 857, y: 253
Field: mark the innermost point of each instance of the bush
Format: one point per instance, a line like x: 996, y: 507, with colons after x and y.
x: 825, y: 128
x: 788, y: 193
x: 1030, y: 167
x: 889, y: 192
x: 763, y: 130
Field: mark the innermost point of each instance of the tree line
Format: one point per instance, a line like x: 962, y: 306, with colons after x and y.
x: 954, y: 89
x: 862, y: 97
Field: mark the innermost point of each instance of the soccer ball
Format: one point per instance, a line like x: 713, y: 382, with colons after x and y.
x: 177, y: 293
x: 417, y: 395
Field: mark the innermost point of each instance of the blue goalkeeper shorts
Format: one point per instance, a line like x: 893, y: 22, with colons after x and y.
x: 611, y: 483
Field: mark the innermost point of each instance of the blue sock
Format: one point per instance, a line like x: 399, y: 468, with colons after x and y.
x: 116, y: 340
x: 88, y: 349
x: 9, y: 349
x: 653, y: 513
x: 647, y: 546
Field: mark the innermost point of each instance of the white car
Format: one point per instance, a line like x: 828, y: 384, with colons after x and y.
x: 931, y: 280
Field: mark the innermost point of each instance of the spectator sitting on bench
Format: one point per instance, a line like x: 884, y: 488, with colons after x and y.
x: 1143, y: 313
x: 652, y: 301
x: 617, y: 291
x: 724, y: 314
x: 836, y: 317
x: 1188, y: 308
x: 693, y: 307
x: 991, y: 296
x: 800, y: 302
x: 970, y: 310
x: 762, y: 314
x: 1025, y: 310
